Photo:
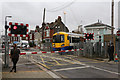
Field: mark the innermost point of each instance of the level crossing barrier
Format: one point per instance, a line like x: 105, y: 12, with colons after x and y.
x: 25, y: 53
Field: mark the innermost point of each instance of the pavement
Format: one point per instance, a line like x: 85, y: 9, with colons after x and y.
x: 106, y: 60
x: 25, y: 70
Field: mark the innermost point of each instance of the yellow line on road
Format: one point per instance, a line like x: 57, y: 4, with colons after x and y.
x: 44, y: 65
x: 42, y: 59
x: 60, y: 59
x: 50, y: 62
x: 85, y: 62
x: 73, y: 59
x: 57, y: 62
x: 21, y: 72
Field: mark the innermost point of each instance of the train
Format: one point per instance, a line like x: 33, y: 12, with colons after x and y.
x: 65, y: 40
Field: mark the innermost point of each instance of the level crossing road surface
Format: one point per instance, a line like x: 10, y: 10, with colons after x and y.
x: 65, y: 66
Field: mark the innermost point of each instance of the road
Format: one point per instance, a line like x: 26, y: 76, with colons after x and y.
x: 71, y: 66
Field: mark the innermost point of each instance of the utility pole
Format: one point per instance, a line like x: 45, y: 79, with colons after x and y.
x: 44, y: 16
x: 43, y: 24
x: 112, y: 22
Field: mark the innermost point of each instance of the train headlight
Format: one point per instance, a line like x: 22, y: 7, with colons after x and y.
x: 53, y: 45
x: 62, y: 45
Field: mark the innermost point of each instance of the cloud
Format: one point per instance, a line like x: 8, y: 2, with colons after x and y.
x: 79, y: 12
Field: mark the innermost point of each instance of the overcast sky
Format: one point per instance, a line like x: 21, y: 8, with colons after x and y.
x: 78, y: 12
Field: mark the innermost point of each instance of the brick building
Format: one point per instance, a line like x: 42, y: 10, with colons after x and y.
x: 50, y: 28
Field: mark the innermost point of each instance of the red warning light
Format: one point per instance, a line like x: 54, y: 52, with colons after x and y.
x: 15, y: 27
x: 87, y: 35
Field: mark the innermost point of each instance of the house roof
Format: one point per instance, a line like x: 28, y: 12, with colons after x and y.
x: 97, y: 24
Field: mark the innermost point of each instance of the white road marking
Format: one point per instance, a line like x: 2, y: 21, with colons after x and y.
x: 52, y: 74
x: 81, y: 64
x: 105, y: 70
x: 85, y: 65
x: 47, y: 71
x: 71, y: 68
x: 65, y: 60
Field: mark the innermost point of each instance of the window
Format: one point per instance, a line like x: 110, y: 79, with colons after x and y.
x: 69, y: 38
x: 58, y: 38
x: 47, y: 33
x: 75, y: 40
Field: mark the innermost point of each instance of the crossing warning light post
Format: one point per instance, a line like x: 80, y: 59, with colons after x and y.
x: 6, y: 43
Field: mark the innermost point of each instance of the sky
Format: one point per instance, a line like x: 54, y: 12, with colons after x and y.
x: 78, y: 12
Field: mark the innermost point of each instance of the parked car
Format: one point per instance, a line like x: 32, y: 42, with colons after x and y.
x: 24, y: 44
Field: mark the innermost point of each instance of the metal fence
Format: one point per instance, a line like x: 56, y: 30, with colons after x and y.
x: 117, y: 47
x: 97, y: 49
x: 90, y: 49
x: 46, y: 46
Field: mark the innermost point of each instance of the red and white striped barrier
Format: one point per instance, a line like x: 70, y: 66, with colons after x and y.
x: 24, y: 53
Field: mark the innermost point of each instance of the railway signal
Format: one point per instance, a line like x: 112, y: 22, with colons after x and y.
x: 89, y: 36
x: 18, y: 30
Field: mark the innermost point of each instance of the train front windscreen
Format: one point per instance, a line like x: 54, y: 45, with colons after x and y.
x: 58, y: 39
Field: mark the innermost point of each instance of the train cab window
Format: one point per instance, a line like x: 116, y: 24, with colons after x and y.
x: 62, y: 38
x: 58, y: 38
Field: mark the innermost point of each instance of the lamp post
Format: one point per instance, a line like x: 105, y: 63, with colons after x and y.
x: 64, y: 21
x: 6, y: 44
x: 64, y: 17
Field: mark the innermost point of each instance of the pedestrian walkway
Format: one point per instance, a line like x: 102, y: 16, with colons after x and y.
x: 26, y: 74
x: 106, y: 60
x: 25, y: 70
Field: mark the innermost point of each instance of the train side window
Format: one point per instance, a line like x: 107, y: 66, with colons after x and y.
x: 75, y: 39
x: 69, y: 38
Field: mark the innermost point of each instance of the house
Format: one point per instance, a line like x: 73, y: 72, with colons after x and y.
x: 100, y: 30
x: 50, y: 28
x: 79, y: 30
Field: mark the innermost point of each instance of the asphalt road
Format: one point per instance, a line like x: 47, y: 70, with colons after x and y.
x: 70, y: 66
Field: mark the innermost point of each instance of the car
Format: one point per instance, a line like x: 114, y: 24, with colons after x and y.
x: 24, y: 44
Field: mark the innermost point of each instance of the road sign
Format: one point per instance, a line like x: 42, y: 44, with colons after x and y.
x: 118, y: 33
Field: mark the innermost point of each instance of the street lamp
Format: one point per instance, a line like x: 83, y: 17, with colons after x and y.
x: 6, y: 44
x: 64, y: 17
x: 64, y: 20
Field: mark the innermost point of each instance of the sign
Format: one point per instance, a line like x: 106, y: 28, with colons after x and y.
x: 18, y: 30
x: 118, y: 33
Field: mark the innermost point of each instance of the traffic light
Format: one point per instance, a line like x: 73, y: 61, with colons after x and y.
x: 19, y: 29
x: 89, y: 36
